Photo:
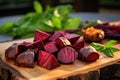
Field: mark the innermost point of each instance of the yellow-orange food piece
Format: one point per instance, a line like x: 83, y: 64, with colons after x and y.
x: 92, y: 34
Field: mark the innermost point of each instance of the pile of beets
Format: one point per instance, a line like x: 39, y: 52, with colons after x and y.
x: 111, y: 31
x: 50, y: 50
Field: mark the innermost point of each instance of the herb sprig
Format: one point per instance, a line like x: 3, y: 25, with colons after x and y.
x: 107, y: 48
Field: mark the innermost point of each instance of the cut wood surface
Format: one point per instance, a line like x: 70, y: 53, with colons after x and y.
x: 39, y: 73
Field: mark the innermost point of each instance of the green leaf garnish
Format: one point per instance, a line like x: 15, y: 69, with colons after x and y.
x: 110, y: 43
x: 107, y: 48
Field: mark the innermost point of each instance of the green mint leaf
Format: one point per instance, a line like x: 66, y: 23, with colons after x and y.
x: 110, y: 43
x: 97, y: 46
x: 108, y: 52
x: 38, y: 7
x: 114, y: 49
x: 106, y: 49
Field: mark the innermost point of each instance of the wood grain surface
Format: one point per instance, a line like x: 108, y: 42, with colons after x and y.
x: 39, y: 73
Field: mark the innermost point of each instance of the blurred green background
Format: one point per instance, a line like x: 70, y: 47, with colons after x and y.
x: 13, y: 7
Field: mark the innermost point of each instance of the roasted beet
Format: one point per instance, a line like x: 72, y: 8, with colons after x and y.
x: 88, y: 54
x: 61, y: 42
x: 56, y: 35
x: 72, y: 37
x: 12, y: 51
x: 111, y: 31
x: 41, y: 35
x: 47, y: 60
x: 50, y: 47
x: 25, y: 59
x: 112, y: 35
x: 79, y: 44
x: 67, y: 55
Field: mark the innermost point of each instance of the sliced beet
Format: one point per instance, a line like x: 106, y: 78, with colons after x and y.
x: 72, y: 37
x: 67, y: 55
x: 47, y: 60
x: 41, y: 35
x: 79, y: 44
x: 61, y: 42
x: 56, y: 35
x: 88, y: 54
x: 50, y: 47
x: 25, y: 59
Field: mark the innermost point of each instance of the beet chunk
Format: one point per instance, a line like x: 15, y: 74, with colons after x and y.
x: 12, y: 51
x: 25, y: 59
x: 41, y: 35
x: 79, y: 44
x: 88, y: 54
x: 67, y: 55
x: 47, y: 60
x: 50, y: 47
x: 56, y: 35
x: 61, y: 42
x: 72, y: 37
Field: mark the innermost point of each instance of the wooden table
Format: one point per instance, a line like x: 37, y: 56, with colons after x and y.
x: 62, y: 72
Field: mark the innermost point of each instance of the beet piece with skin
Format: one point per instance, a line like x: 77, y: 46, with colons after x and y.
x: 25, y: 59
x: 72, y: 37
x: 61, y: 42
x: 56, y: 35
x: 88, y: 54
x: 12, y: 51
x: 67, y: 55
x: 41, y: 35
x: 50, y: 47
x: 79, y: 44
x: 47, y: 60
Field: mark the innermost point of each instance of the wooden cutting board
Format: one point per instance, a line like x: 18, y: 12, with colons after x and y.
x: 39, y: 73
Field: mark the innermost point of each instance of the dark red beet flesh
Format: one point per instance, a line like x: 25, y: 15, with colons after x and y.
x: 41, y: 35
x: 47, y: 60
x: 88, y: 54
x: 50, y: 47
x: 67, y: 55
x: 25, y: 59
